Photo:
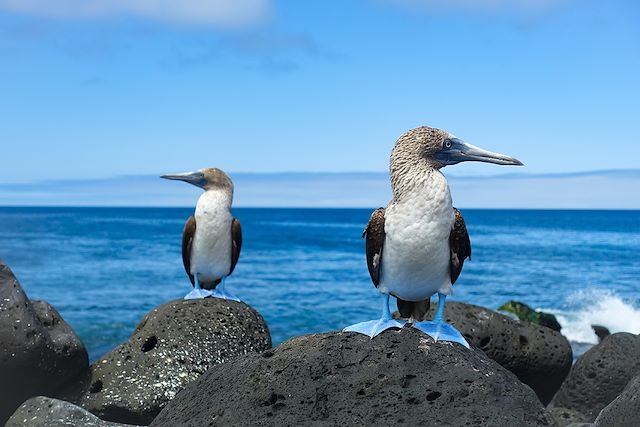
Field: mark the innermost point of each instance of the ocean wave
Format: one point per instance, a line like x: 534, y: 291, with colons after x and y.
x: 596, y: 307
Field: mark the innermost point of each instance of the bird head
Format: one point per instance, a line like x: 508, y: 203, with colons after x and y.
x: 207, y: 179
x: 440, y: 148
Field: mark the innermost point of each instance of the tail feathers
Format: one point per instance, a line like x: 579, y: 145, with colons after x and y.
x: 210, y: 285
x: 416, y: 310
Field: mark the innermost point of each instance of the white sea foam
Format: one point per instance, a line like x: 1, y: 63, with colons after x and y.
x: 596, y: 307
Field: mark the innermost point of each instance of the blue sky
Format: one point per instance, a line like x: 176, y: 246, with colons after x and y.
x: 96, y: 88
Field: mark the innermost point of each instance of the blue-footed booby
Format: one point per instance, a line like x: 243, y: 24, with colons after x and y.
x: 416, y: 247
x: 212, y: 238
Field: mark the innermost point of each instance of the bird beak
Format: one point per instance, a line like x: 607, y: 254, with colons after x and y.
x: 455, y: 150
x: 195, y: 178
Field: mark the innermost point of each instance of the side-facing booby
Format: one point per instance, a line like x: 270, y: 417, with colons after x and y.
x: 417, y: 245
x: 212, y: 238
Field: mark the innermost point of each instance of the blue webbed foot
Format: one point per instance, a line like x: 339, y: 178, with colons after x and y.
x: 198, y: 293
x: 221, y: 292
x: 441, y: 331
x: 374, y: 327
x: 438, y: 329
x: 224, y: 294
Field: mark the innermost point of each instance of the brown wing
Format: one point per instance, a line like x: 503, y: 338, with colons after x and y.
x: 459, y: 244
x: 374, y: 233
x: 236, y: 243
x: 187, y: 240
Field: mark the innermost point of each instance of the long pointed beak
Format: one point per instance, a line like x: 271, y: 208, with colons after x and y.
x: 455, y: 151
x: 195, y: 178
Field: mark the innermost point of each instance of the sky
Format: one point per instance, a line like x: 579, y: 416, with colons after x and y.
x: 93, y: 89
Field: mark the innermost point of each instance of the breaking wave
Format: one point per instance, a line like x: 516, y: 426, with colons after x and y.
x: 596, y: 307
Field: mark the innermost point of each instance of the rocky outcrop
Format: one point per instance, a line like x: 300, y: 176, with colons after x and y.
x: 46, y: 412
x: 565, y: 417
x: 67, y: 347
x: 399, y: 377
x: 39, y: 354
x: 600, y: 375
x: 601, y: 332
x: 624, y: 411
x: 540, y: 357
x: 523, y: 312
x: 172, y: 346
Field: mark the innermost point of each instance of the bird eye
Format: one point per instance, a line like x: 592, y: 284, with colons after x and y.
x: 447, y: 144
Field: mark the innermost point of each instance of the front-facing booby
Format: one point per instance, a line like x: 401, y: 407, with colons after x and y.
x: 212, y: 238
x: 417, y: 245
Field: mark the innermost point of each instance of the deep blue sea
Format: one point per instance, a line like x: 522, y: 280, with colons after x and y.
x: 304, y: 269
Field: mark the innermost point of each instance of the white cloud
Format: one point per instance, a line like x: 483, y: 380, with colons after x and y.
x: 202, y: 12
x: 478, y: 5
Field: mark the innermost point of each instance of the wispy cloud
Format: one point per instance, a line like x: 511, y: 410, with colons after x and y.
x: 264, y: 50
x: 271, y: 44
x: 480, y: 6
x: 228, y: 13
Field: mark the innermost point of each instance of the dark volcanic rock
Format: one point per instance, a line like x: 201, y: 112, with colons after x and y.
x: 346, y: 379
x: 526, y: 313
x: 39, y: 352
x: 601, y: 332
x: 70, y: 353
x: 600, y: 375
x: 46, y: 412
x: 565, y: 417
x: 624, y: 411
x: 172, y: 346
x: 540, y: 357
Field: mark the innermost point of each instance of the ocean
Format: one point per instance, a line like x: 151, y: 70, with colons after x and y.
x: 304, y: 269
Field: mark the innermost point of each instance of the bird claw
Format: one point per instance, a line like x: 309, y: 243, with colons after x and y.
x: 198, y: 294
x: 224, y: 294
x: 374, y: 327
x: 441, y: 331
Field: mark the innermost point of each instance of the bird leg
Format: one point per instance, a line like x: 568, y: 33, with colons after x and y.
x: 198, y: 292
x: 438, y: 329
x: 221, y: 292
x: 374, y: 327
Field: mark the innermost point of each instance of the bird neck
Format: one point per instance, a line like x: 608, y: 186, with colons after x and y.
x: 416, y: 175
x: 215, y: 199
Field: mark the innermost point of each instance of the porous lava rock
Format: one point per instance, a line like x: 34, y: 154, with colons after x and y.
x: 565, y: 417
x: 540, y: 357
x: 47, y: 412
x: 346, y: 379
x: 600, y: 375
x: 39, y: 352
x: 624, y: 411
x: 172, y: 346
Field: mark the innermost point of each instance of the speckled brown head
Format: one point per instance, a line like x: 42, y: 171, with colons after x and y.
x: 421, y: 151
x: 419, y: 145
x: 437, y: 148
x: 207, y: 179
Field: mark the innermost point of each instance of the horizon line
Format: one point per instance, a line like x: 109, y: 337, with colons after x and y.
x: 516, y: 175
x: 305, y: 208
